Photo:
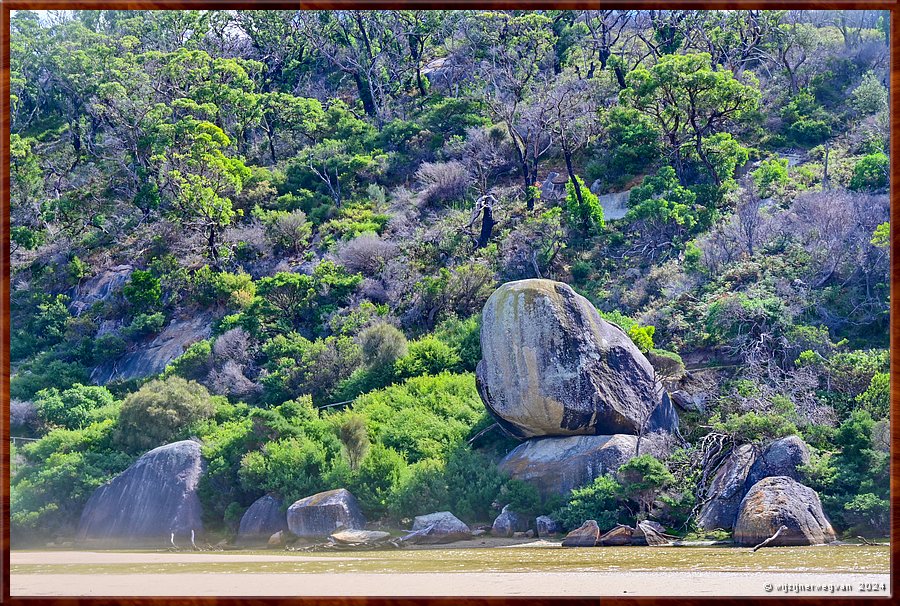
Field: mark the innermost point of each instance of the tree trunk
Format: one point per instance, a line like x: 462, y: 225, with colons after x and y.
x: 365, y: 94
x: 487, y: 227
x: 568, y: 154
x: 620, y: 77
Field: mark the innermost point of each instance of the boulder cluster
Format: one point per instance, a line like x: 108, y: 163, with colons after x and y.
x: 571, y: 384
x: 756, y: 491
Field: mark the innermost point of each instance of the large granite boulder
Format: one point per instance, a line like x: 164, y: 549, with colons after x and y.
x: 553, y: 367
x: 780, y: 500
x: 262, y: 519
x: 585, y: 535
x: 557, y: 465
x: 780, y: 458
x: 726, y: 490
x: 149, y: 501
x: 440, y: 527
x: 320, y: 515
x: 508, y: 523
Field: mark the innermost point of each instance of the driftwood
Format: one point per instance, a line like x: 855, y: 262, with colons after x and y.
x: 781, y: 529
x: 866, y: 541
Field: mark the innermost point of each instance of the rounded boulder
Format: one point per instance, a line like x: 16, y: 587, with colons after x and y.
x: 322, y: 514
x: 782, y: 501
x: 553, y: 367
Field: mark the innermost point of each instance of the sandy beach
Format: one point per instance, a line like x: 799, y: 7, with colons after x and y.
x: 50, y: 573
x: 452, y: 584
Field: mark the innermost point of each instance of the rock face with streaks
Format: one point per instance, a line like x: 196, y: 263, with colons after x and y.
x: 151, y: 358
x: 322, y: 514
x: 726, y: 490
x: 780, y: 500
x: 262, y: 519
x: 557, y: 465
x: 553, y: 367
x: 780, y: 458
x: 146, y: 503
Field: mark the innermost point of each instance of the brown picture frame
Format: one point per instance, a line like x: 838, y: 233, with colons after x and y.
x: 11, y: 5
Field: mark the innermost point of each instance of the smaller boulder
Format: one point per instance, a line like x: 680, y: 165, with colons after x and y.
x: 360, y: 537
x: 584, y: 536
x: 620, y: 535
x: 321, y: 514
x: 276, y: 540
x: 545, y: 526
x: 261, y: 520
x: 782, y: 501
x: 780, y: 458
x: 440, y: 527
x: 508, y: 522
x: 639, y: 538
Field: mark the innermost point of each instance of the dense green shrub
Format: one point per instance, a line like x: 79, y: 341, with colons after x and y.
x: 853, y: 483
x: 60, y: 473
x: 464, y: 336
x: 143, y: 291
x: 424, y: 417
x: 144, y: 325
x: 870, y: 173
x: 293, y: 468
x: 162, y: 411
x: 72, y: 408
x: 597, y: 501
x: 771, y: 176
x: 427, y: 356
x: 641, y: 480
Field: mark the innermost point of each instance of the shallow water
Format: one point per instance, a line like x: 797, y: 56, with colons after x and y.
x: 849, y: 558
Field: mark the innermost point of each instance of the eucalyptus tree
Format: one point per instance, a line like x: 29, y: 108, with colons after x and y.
x: 690, y: 102
x: 511, y: 51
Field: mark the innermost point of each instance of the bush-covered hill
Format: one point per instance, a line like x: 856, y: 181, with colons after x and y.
x: 275, y: 231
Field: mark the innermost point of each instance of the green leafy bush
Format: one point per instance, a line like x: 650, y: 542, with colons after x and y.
x: 597, y: 501
x: 427, y: 356
x: 72, y: 408
x: 160, y: 412
x: 143, y: 291
x: 870, y: 173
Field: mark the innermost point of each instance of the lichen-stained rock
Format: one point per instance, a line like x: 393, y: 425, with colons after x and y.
x: 585, y: 535
x: 780, y: 500
x: 440, y: 527
x: 780, y: 458
x: 557, y: 465
x: 553, y: 367
x: 508, y: 523
x: 321, y: 514
x: 262, y: 519
x: 620, y: 535
x: 726, y: 490
x: 146, y: 503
